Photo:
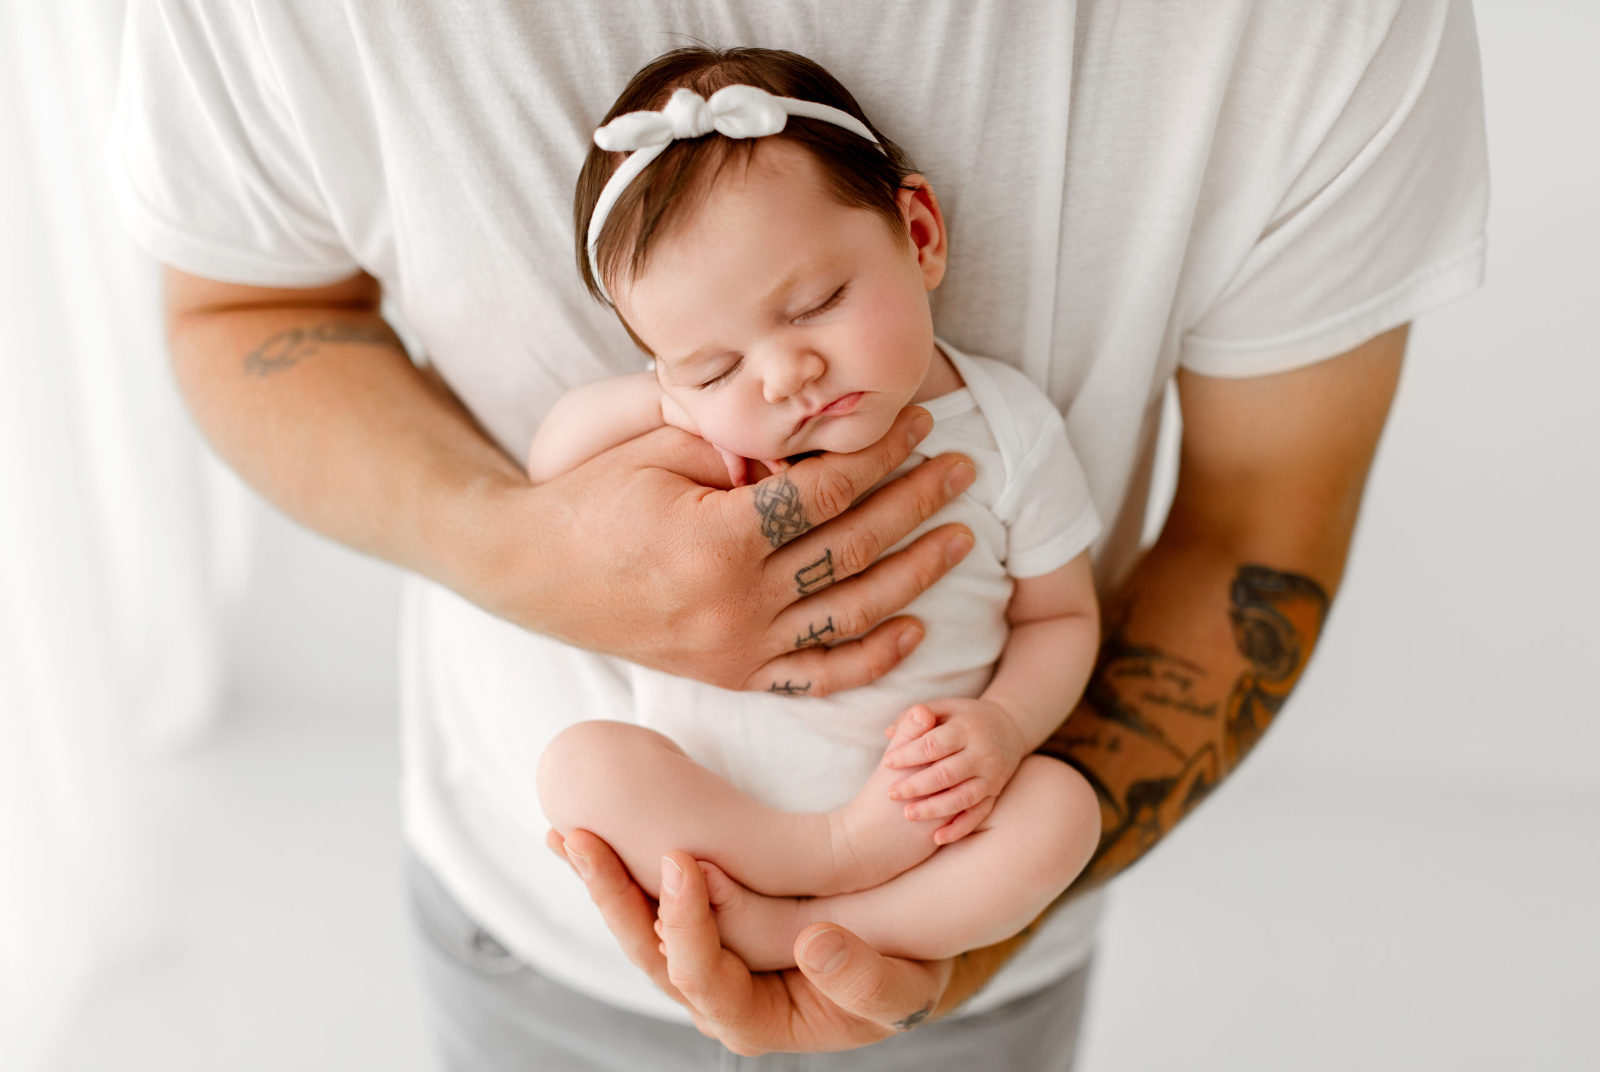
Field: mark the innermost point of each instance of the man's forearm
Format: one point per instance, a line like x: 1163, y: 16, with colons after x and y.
x: 1213, y: 628
x: 1201, y: 650
x: 318, y: 408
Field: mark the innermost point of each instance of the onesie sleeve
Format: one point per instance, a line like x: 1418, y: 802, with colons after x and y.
x: 1385, y: 220
x: 1049, y: 515
x: 208, y: 169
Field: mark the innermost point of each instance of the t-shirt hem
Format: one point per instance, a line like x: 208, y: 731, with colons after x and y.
x: 1422, y: 292
x: 187, y: 252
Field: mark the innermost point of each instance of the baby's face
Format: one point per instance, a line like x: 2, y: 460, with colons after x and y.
x: 783, y: 321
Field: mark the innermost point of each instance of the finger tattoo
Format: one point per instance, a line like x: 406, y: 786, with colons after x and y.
x: 817, y: 576
x: 914, y: 1019
x: 789, y: 688
x: 288, y: 348
x: 783, y: 516
x: 816, y: 637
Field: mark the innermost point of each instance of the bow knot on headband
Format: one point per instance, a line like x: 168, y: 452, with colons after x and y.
x: 736, y: 111
x: 732, y: 111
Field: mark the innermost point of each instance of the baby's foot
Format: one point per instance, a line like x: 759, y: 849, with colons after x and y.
x: 873, y: 841
x: 760, y: 929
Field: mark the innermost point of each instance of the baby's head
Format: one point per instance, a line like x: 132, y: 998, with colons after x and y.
x: 779, y: 281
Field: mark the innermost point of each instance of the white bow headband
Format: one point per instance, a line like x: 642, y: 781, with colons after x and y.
x: 732, y: 111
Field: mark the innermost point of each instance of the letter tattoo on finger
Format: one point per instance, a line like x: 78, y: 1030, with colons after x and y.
x: 816, y: 636
x: 783, y: 515
x: 817, y: 576
x: 914, y: 1019
x: 789, y: 688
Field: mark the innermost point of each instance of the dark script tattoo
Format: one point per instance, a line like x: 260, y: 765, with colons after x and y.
x: 818, y: 636
x: 789, y: 688
x: 783, y: 516
x: 1154, y: 708
x: 288, y: 348
x: 914, y: 1019
x: 815, y: 577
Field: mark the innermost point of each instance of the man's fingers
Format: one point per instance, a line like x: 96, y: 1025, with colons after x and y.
x: 627, y: 910
x: 899, y: 994
x: 785, y: 506
x: 818, y: 671
x: 708, y: 976
x: 791, y: 503
x: 852, y: 543
x: 849, y: 608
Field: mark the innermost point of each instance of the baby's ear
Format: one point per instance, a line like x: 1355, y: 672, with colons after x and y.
x: 924, y: 221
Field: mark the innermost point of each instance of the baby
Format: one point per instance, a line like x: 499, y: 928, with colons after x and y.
x: 773, y: 254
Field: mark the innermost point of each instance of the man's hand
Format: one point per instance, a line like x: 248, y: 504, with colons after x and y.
x: 843, y: 995
x: 312, y: 399
x: 774, y: 587
x: 967, y: 750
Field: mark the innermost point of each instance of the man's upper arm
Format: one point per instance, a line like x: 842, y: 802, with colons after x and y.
x: 1276, y: 465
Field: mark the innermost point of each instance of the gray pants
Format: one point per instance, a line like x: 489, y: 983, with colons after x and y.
x: 493, y: 1013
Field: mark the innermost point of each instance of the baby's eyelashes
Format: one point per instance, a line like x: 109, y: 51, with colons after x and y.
x: 833, y: 299
x: 721, y: 377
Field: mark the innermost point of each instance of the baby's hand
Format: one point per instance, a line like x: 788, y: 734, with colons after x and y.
x: 738, y: 468
x: 968, y: 750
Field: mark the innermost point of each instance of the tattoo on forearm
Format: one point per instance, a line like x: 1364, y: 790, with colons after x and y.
x: 817, y: 576
x: 783, y: 516
x: 914, y: 1019
x: 288, y: 348
x: 789, y: 688
x: 1151, y: 710
x: 1276, y: 618
x: 817, y: 636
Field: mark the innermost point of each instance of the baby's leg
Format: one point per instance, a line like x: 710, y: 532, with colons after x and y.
x: 640, y: 792
x: 977, y: 891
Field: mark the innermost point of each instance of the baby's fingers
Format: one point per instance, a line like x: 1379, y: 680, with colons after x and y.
x: 930, y: 747
x: 945, y: 774
x: 963, y: 824
x: 942, y: 805
x: 912, y: 723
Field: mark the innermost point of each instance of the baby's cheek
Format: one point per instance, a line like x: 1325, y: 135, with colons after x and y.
x: 723, y: 426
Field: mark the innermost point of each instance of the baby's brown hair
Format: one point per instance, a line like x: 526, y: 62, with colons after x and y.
x: 858, y: 173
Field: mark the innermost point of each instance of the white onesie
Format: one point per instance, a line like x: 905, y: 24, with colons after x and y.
x: 1030, y: 513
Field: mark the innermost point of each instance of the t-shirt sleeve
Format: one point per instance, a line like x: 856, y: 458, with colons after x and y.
x: 1384, y: 222
x: 207, y: 166
x: 1049, y: 515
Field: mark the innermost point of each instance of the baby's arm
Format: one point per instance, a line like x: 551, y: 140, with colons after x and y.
x: 975, y: 745
x: 592, y: 419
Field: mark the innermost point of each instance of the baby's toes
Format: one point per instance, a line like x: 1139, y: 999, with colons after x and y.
x: 723, y: 891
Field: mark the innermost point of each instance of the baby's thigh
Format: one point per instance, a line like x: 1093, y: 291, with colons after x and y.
x: 591, y: 767
x: 1054, y: 808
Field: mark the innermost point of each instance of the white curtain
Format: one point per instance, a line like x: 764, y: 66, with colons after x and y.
x: 111, y: 580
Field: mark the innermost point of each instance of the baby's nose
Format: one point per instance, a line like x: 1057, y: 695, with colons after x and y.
x: 791, y: 373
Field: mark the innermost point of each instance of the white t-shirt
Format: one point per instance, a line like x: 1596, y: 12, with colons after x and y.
x: 1236, y: 187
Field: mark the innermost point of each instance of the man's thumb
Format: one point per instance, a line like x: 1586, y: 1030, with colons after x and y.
x: 886, y: 990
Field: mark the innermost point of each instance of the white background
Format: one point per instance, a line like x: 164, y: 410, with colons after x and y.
x: 1404, y: 875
